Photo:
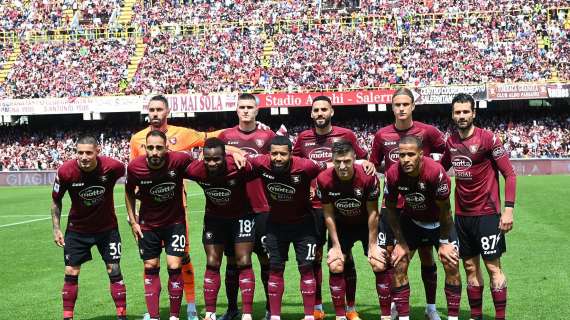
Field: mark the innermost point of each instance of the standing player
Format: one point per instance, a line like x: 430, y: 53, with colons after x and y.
x: 385, y: 149
x: 253, y: 141
x: 424, y: 221
x: 90, y: 181
x: 228, y: 222
x: 157, y: 179
x: 315, y: 144
x: 350, y: 204
x: 179, y: 139
x: 287, y: 181
x: 477, y: 156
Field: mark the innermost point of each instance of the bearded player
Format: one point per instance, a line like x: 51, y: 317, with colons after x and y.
x: 254, y: 141
x: 90, y: 180
x: 350, y: 204
x: 424, y: 221
x: 228, y: 222
x: 385, y: 150
x: 316, y: 144
x: 287, y: 180
x: 477, y: 156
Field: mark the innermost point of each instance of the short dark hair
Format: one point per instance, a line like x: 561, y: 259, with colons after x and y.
x: 322, y: 98
x: 160, y: 98
x: 87, y: 140
x: 411, y: 139
x: 404, y: 92
x: 342, y: 146
x: 282, y: 141
x: 463, y: 98
x: 156, y: 133
x: 247, y: 96
x: 213, y: 143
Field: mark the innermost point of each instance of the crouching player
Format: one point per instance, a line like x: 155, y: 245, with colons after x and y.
x: 425, y: 220
x: 350, y: 203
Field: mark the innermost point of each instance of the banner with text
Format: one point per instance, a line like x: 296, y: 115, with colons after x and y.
x: 360, y: 97
x: 199, y: 103
x: 558, y: 90
x: 516, y: 91
x: 444, y: 94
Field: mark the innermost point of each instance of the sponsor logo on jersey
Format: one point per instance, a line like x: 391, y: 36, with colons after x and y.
x: 461, y: 163
x: 232, y: 143
x: 143, y: 182
x: 321, y: 154
x: 163, y: 192
x: 394, y: 155
x: 348, y: 206
x: 390, y: 143
x: 92, y: 195
x: 473, y: 148
x: 280, y: 191
x: 443, y: 190
x: 267, y: 175
x: 218, y: 196
x: 310, y: 144
x: 77, y: 184
x: 498, y: 152
x: 452, y: 149
x: 250, y: 151
x: 334, y: 194
x: 402, y: 188
x: 416, y: 201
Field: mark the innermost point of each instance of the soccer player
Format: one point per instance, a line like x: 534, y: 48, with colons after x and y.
x: 477, y: 156
x: 157, y: 179
x: 385, y: 149
x: 90, y: 180
x: 315, y: 144
x: 179, y: 139
x: 287, y: 180
x: 252, y: 140
x: 424, y: 221
x: 350, y: 204
x: 228, y: 222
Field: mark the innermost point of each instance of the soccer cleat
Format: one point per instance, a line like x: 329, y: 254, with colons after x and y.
x: 246, y: 316
x: 319, y: 314
x: 121, y: 317
x: 352, y: 315
x: 393, y: 311
x: 432, y: 315
x: 230, y: 315
x: 173, y: 318
x: 146, y: 316
x: 267, y: 315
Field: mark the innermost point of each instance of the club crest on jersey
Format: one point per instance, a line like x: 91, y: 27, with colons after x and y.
x: 296, y: 179
x: 172, y: 173
x: 173, y: 140
x: 474, y: 148
x: 259, y: 143
x: 421, y: 186
x: 104, y: 178
x: 232, y: 182
x: 358, y: 192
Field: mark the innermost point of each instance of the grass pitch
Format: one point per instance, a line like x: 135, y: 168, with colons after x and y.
x: 536, y: 262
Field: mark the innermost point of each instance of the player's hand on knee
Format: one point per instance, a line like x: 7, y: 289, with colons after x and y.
x: 377, y: 257
x: 448, y: 254
x: 506, y: 222
x: 58, y: 238
x: 137, y: 232
x: 401, y: 252
x: 335, y: 257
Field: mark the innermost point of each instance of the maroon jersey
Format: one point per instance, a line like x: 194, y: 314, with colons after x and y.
x: 254, y: 142
x: 225, y: 194
x: 477, y: 161
x: 317, y: 147
x: 92, y: 206
x: 348, y: 197
x: 385, y: 145
x: 288, y: 193
x: 421, y: 192
x: 160, y: 191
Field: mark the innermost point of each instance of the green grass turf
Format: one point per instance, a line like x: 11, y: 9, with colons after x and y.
x: 32, y: 266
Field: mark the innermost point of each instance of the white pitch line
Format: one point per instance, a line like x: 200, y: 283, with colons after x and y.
x: 39, y: 219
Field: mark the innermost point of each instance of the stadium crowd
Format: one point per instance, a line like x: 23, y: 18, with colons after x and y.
x: 59, y: 69
x: 22, y: 149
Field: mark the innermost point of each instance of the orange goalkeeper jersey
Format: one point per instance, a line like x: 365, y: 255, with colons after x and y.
x: 179, y: 139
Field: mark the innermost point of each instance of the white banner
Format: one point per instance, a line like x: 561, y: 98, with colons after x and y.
x: 110, y: 104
